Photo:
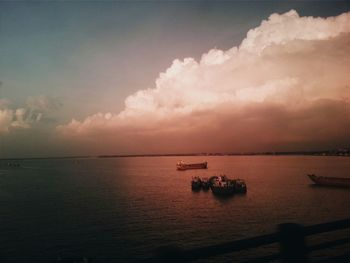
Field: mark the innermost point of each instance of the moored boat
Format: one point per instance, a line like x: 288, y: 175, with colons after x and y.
x: 221, y: 185
x: 205, y: 183
x: 13, y: 164
x: 196, y: 183
x: 181, y: 165
x: 241, y: 186
x: 330, y: 181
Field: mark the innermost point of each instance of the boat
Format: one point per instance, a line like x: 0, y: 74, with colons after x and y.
x: 221, y: 185
x: 181, y: 165
x: 205, y: 183
x: 330, y: 181
x: 13, y: 164
x: 196, y: 183
x: 241, y: 186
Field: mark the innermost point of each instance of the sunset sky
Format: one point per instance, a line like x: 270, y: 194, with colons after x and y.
x: 138, y: 77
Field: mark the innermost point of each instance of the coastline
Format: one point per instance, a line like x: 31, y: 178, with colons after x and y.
x: 340, y: 153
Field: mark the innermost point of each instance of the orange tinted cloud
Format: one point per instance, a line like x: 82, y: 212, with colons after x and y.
x: 286, y: 87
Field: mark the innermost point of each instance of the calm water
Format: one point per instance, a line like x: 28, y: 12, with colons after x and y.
x: 121, y: 209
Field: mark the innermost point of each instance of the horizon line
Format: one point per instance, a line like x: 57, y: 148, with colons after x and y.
x: 338, y: 152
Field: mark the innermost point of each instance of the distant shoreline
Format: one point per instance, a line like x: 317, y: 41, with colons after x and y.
x: 342, y: 153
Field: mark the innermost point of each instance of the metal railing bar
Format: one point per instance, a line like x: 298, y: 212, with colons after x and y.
x: 229, y: 247
x: 232, y: 246
x: 263, y: 259
x: 327, y: 227
x: 329, y: 244
x: 345, y: 258
x: 183, y: 255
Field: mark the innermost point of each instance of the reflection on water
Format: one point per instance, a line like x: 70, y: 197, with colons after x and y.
x: 119, y: 209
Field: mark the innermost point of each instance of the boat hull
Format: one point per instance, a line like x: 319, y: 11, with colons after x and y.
x: 220, y: 190
x: 221, y: 185
x: 184, y: 166
x: 330, y: 181
x: 196, y: 184
x: 205, y: 185
x: 241, y: 186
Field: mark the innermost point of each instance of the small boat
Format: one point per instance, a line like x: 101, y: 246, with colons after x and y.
x: 241, y: 186
x: 205, y: 183
x: 330, y: 181
x: 221, y: 185
x: 196, y: 183
x: 13, y: 164
x: 181, y: 165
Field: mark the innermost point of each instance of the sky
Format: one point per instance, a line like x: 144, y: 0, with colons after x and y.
x: 153, y: 77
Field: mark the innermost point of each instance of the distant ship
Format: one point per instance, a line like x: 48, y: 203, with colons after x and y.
x: 181, y: 165
x: 330, y: 181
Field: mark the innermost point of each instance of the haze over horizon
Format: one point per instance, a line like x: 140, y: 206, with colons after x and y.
x: 88, y: 78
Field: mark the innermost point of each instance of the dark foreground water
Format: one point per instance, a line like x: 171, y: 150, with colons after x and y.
x: 121, y: 209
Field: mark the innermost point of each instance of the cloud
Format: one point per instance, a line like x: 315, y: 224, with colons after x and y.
x: 6, y: 117
x: 26, y: 117
x: 43, y: 103
x: 281, y: 29
x: 4, y: 103
x: 285, y: 87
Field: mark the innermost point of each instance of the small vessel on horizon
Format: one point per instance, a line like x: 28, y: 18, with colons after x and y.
x: 330, y: 181
x: 181, y: 165
x: 13, y: 164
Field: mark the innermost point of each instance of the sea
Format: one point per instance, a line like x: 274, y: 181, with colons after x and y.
x: 125, y: 209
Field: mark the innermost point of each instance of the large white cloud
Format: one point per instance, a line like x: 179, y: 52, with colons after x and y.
x: 288, y: 76
x: 281, y: 29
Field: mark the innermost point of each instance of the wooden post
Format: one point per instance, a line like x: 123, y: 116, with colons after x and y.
x: 292, y: 243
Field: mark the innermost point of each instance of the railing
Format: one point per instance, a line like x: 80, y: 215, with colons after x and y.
x: 290, y: 237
